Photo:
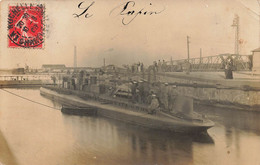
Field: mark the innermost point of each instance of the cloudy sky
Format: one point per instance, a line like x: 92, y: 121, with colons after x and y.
x: 145, y: 39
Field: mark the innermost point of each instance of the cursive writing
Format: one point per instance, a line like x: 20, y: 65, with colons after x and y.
x: 84, y: 12
x: 129, y: 13
x: 127, y: 10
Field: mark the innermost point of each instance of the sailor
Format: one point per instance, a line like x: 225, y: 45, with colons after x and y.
x: 172, y: 97
x: 155, y: 68
x: 73, y: 83
x: 146, y: 91
x: 164, y: 66
x: 139, y: 67
x: 141, y: 96
x: 133, y: 91
x: 154, y: 106
x: 149, y: 98
x: 159, y: 66
x: 133, y: 68
x: 164, y: 95
x: 142, y: 67
x: 53, y: 79
x: 110, y: 91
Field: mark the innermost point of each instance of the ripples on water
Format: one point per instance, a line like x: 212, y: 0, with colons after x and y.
x: 31, y: 134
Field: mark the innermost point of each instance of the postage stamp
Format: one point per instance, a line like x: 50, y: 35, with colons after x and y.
x: 26, y: 26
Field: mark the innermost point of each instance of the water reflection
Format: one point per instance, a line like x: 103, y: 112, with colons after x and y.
x: 116, y: 142
x: 232, y: 118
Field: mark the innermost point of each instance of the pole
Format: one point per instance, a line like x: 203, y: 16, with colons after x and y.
x: 188, y: 48
x: 75, y: 57
x: 188, y: 61
x: 259, y: 20
x: 236, y: 25
x: 237, y: 50
x: 200, y: 55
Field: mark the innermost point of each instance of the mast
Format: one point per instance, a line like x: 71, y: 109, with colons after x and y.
x: 75, y: 57
x: 236, y: 25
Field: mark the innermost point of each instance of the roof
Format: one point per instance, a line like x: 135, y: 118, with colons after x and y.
x: 53, y: 66
x: 256, y: 50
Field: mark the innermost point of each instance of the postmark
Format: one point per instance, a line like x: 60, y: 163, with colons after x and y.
x: 26, y: 26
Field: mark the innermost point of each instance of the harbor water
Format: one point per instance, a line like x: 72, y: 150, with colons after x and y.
x: 34, y: 134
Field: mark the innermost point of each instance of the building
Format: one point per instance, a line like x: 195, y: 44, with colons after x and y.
x: 256, y: 60
x: 53, y: 67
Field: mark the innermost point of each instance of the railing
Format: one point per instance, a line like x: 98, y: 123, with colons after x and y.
x: 210, y: 63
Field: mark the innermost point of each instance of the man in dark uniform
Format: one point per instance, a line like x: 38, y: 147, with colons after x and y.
x: 154, y: 106
x: 172, y: 95
x: 133, y: 91
x: 141, y: 92
x: 229, y: 68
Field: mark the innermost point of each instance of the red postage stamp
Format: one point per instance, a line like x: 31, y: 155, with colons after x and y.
x: 25, y: 26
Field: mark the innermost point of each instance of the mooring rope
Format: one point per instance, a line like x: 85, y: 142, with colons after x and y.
x: 29, y: 99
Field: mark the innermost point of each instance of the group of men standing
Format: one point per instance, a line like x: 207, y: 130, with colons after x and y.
x: 139, y: 67
x: 157, y: 95
x: 160, y: 66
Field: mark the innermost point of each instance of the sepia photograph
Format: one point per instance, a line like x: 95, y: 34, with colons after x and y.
x: 129, y: 82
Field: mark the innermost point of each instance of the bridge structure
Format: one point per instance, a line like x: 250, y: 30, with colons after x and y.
x: 210, y: 63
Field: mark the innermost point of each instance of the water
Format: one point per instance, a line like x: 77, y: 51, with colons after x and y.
x: 31, y: 134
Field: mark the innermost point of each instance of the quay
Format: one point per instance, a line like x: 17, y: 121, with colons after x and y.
x: 210, y: 88
x: 205, y: 87
x: 24, y: 80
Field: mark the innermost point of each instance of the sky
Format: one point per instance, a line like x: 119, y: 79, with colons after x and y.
x: 145, y: 39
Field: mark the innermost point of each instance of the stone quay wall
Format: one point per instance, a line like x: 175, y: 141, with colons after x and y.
x: 236, y: 98
x: 219, y: 93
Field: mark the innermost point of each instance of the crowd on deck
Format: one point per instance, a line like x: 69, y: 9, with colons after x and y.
x: 157, y: 95
x: 154, y: 94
